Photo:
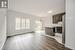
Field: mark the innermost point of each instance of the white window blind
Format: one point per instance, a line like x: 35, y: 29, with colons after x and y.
x: 18, y: 21
x: 27, y: 23
x: 22, y: 23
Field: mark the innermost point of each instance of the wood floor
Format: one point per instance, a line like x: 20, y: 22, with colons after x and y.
x: 32, y: 41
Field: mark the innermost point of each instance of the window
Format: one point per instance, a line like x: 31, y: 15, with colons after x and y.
x: 27, y: 24
x: 3, y: 3
x: 22, y: 23
x: 18, y: 21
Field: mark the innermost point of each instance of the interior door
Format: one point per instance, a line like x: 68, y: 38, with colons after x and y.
x: 38, y: 25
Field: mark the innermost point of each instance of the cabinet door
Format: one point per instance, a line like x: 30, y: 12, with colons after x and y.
x: 57, y: 18
x: 49, y: 31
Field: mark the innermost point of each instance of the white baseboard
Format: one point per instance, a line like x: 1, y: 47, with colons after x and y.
x: 69, y: 47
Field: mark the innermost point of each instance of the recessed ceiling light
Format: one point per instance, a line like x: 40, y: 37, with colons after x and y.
x: 49, y: 11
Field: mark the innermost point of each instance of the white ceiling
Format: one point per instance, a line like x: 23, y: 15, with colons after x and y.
x: 38, y: 7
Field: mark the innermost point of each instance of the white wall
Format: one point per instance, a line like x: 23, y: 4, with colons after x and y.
x: 37, y: 7
x: 11, y: 30
x: 2, y: 27
x: 70, y: 24
x: 46, y: 21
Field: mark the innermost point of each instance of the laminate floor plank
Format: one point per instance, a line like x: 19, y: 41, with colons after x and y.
x: 32, y: 41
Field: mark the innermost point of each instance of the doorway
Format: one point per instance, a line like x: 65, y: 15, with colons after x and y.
x: 38, y: 27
